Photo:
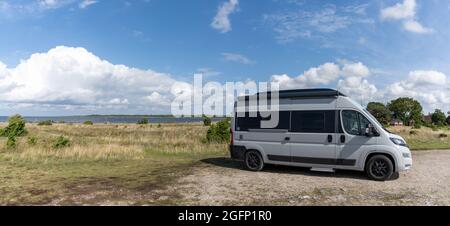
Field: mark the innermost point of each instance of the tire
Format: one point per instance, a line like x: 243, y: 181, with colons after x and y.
x: 253, y: 161
x: 379, y: 168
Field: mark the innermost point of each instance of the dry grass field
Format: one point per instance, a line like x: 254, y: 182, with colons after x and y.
x: 121, y: 164
x: 424, y: 138
x: 127, y: 159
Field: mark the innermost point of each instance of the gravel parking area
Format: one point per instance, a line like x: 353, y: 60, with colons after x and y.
x: 220, y: 181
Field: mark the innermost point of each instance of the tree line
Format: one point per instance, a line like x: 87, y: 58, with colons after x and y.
x: 406, y: 109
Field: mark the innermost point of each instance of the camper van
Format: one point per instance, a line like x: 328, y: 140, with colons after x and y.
x: 321, y: 129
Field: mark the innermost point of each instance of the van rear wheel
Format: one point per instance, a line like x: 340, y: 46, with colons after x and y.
x: 253, y: 161
x: 379, y: 168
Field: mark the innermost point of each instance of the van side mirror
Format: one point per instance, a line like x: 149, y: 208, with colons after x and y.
x: 371, y: 131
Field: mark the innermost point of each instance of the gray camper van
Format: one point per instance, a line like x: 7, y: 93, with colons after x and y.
x: 321, y: 129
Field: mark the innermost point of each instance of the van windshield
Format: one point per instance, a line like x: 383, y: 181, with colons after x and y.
x: 375, y: 120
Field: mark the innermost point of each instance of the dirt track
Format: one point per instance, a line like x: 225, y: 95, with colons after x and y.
x: 223, y: 182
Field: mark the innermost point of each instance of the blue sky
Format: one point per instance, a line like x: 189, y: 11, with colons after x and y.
x: 388, y: 48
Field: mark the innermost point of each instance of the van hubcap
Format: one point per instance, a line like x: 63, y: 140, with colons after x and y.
x: 380, y: 168
x: 253, y: 160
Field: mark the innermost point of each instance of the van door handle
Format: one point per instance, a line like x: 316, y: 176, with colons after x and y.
x: 330, y: 138
x: 287, y: 139
x: 342, y: 138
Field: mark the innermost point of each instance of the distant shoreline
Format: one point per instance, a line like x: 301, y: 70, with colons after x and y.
x: 113, y: 119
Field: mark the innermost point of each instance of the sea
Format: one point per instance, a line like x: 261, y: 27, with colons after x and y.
x: 111, y: 119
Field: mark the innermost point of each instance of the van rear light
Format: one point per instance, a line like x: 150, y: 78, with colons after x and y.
x: 231, y: 137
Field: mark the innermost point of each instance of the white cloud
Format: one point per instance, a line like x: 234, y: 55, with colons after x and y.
x: 297, y: 24
x: 74, y: 76
x: 86, y: 3
x: 431, y: 88
x: 405, y: 12
x: 221, y: 21
x: 316, y: 76
x: 238, y: 58
x: 414, y: 26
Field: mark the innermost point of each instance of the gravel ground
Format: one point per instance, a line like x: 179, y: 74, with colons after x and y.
x: 221, y: 181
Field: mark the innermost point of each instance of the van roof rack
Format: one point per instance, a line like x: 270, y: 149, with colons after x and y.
x: 305, y: 93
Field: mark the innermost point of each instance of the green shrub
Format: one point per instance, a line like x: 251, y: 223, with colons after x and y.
x: 61, y: 142
x: 32, y: 140
x: 45, y: 123
x: 443, y: 135
x: 89, y: 123
x: 413, y: 132
x: 206, y: 121
x: 219, y: 132
x: 11, y: 143
x: 159, y: 125
x: 417, y: 126
x: 62, y: 122
x: 15, y: 128
x: 143, y: 122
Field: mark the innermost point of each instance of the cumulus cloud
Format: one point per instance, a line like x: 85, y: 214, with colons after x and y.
x: 316, y: 76
x: 405, y: 12
x: 432, y: 88
x: 74, y: 76
x: 221, y: 21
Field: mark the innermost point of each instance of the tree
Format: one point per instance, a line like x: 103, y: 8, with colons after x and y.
x: 380, y: 112
x: 438, y: 118
x: 406, y: 109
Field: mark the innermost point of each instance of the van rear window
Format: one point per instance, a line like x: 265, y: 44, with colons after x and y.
x: 248, y: 123
x: 313, y: 121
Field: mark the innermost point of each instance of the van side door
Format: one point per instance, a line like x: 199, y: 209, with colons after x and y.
x: 313, y: 137
x: 353, y: 140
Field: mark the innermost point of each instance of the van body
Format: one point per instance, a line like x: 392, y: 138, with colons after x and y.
x: 321, y: 129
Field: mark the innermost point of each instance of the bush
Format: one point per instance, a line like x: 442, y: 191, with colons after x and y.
x: 417, y: 126
x: 143, y: 122
x: 45, y: 123
x: 206, y: 121
x: 11, y: 143
x: 16, y: 127
x: 443, y: 135
x: 89, y: 123
x: 32, y: 141
x: 61, y: 142
x: 413, y: 132
x: 159, y: 125
x: 219, y: 132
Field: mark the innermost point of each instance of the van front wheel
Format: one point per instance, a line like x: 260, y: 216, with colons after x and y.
x: 379, y: 168
x: 253, y: 161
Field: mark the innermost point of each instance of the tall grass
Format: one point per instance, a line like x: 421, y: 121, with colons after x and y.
x: 127, y: 141
x: 424, y: 138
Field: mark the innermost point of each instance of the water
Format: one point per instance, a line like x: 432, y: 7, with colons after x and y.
x: 111, y: 119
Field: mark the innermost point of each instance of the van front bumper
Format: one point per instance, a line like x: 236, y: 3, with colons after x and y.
x: 407, y: 160
x: 237, y: 152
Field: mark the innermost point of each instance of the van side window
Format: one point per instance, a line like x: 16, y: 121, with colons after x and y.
x: 351, y: 122
x: 354, y: 123
x: 313, y: 121
x: 247, y: 123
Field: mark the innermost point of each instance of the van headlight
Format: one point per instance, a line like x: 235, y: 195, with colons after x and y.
x: 398, y: 142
